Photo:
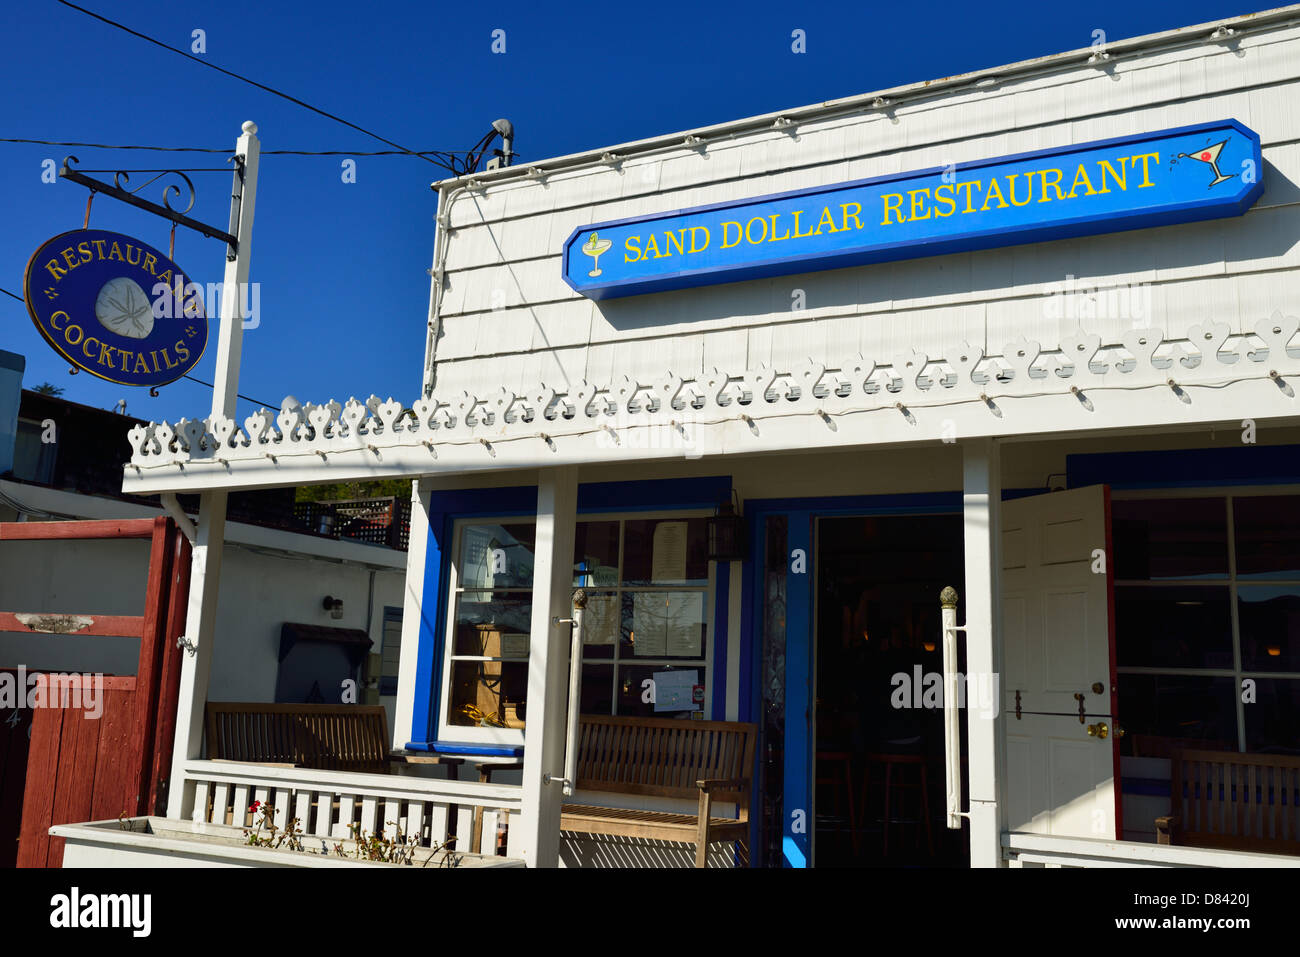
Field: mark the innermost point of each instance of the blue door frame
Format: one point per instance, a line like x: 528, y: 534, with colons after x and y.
x: 799, y: 742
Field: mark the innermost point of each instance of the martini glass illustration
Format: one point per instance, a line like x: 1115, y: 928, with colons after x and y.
x: 595, y: 247
x: 1210, y: 155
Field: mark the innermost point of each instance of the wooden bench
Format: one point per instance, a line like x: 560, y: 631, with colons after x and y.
x: 702, y: 761
x: 327, y: 737
x: 1236, y: 801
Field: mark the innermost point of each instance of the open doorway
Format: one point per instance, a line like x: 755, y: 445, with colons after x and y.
x: 879, y: 778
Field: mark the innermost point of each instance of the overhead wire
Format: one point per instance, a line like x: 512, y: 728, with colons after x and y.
x: 448, y: 159
x: 206, y: 149
x: 449, y: 163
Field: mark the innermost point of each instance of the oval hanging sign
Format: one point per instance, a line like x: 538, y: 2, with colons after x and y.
x: 116, y: 307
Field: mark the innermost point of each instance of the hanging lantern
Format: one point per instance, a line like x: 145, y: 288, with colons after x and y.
x: 727, y: 533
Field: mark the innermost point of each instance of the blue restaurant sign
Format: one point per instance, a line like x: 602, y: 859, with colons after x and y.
x: 116, y: 307
x: 1133, y: 182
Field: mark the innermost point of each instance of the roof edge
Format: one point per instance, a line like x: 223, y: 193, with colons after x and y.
x: 830, y: 108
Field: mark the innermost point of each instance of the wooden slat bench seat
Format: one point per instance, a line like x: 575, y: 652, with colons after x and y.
x: 1223, y: 799
x: 327, y: 737
x: 702, y: 761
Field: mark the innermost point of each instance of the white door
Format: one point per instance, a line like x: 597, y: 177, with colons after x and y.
x: 1062, y: 770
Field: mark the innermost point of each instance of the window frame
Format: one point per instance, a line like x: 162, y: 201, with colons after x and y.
x: 47, y: 459
x: 619, y: 589
x: 513, y: 737
x: 1230, y: 580
x: 391, y: 614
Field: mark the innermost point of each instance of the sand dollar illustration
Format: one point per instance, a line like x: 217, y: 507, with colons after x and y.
x: 122, y: 307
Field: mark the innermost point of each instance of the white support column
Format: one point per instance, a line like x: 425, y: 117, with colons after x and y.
x: 196, y: 660
x: 210, y: 536
x: 982, y: 516
x: 413, y: 616
x: 557, y: 501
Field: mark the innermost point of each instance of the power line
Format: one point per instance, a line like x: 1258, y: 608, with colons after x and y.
x: 107, y: 146
x: 268, y: 405
x: 203, y: 149
x: 190, y: 377
x: 262, y: 86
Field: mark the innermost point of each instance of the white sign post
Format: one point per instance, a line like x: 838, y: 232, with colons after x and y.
x: 209, y: 540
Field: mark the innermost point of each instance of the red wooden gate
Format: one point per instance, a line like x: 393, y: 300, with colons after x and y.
x: 85, y: 768
x: 15, y: 741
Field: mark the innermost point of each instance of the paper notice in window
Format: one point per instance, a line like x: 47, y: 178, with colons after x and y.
x: 668, y: 555
x: 514, y: 646
x: 673, y: 690
x: 685, y: 612
x: 667, y: 624
x: 649, y: 625
x: 600, y: 620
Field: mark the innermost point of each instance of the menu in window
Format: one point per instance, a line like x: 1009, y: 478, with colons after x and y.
x: 667, y: 624
x: 668, y: 554
x: 649, y: 631
x: 685, y: 611
x: 600, y: 620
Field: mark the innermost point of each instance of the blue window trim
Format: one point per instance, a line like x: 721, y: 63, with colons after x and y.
x: 1187, y: 468
x: 471, y: 750
x: 447, y: 507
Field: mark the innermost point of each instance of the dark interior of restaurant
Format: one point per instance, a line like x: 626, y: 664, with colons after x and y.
x: 880, y: 768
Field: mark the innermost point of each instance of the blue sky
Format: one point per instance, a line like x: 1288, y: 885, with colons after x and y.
x: 344, y: 293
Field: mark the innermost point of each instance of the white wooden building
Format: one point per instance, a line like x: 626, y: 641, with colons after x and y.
x: 1094, y: 439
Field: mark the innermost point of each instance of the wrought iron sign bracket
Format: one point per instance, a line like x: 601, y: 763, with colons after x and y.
x: 115, y: 190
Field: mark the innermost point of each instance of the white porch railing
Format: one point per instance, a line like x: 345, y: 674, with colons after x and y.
x: 1044, y: 850
x: 327, y: 803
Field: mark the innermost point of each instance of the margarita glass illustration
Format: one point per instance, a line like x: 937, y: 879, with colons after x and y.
x: 1210, y: 156
x: 595, y: 247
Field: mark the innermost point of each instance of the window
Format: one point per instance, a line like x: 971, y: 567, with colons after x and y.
x: 486, y: 682
x: 646, y: 622
x: 1207, y: 613
x: 390, y: 651
x: 33, y: 459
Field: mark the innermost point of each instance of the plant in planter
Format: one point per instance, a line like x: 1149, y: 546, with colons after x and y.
x: 290, y: 837
x: 399, y: 849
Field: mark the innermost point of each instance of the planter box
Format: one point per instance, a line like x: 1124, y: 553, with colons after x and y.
x: 164, y: 842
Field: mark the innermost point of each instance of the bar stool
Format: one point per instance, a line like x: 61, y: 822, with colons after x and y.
x: 905, y: 783
x: 838, y: 765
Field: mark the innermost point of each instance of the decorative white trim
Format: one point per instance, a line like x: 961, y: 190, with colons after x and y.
x: 675, y: 415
